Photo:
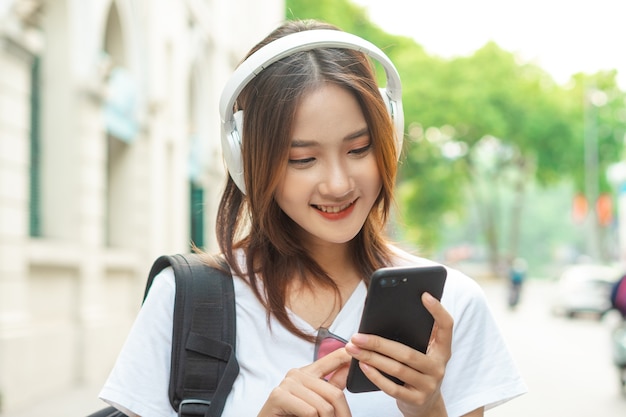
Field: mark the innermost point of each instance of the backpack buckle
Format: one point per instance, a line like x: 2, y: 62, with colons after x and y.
x: 192, y: 407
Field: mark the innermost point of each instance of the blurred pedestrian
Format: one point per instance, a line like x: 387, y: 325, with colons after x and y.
x: 618, y: 335
x: 517, y: 276
x: 618, y: 296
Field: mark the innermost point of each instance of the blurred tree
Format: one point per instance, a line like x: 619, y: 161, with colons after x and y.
x: 511, y: 118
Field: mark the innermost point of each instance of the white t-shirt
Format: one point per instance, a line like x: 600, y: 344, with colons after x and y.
x: 480, y: 372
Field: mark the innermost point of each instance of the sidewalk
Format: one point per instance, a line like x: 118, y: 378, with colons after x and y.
x: 77, y: 402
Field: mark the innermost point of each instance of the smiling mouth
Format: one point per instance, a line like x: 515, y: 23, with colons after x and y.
x: 333, y: 209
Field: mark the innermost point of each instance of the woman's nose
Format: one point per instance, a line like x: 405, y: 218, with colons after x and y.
x: 337, y: 181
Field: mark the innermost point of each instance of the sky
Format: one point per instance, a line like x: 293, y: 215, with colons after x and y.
x: 561, y: 36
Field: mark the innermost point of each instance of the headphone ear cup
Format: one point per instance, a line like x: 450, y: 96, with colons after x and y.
x: 397, y: 117
x: 383, y: 93
x: 231, y: 146
x: 238, y: 118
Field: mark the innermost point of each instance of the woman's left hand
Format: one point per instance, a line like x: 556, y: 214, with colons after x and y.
x: 422, y: 374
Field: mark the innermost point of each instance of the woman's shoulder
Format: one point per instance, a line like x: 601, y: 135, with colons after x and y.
x: 163, y: 284
x: 463, y: 297
x: 456, y: 281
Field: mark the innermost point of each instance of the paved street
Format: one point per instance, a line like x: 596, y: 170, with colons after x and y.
x: 566, y: 364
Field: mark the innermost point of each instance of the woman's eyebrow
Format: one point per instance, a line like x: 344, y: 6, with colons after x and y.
x: 301, y: 143
x: 358, y: 134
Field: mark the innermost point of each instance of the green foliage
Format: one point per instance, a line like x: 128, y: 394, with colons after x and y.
x: 342, y: 13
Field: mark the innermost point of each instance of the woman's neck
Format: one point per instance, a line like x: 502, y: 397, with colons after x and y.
x: 334, y: 258
x: 317, y: 303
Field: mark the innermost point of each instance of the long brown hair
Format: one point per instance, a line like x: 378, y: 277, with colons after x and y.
x: 254, y: 222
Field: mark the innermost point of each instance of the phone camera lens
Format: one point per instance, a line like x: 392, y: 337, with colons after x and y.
x: 389, y: 282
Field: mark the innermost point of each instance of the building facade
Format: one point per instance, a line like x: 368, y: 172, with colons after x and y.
x: 109, y: 156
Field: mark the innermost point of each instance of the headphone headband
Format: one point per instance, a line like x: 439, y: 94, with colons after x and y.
x: 279, y: 49
x: 298, y: 42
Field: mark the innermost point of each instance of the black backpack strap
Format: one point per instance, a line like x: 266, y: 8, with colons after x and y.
x: 204, y: 366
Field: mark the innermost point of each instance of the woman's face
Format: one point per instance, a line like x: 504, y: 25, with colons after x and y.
x: 332, y: 179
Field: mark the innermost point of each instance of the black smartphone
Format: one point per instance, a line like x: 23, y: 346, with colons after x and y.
x: 394, y: 310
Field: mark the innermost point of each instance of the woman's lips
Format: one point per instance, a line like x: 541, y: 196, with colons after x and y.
x: 335, y: 212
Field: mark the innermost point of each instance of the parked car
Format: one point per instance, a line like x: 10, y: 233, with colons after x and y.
x: 585, y: 289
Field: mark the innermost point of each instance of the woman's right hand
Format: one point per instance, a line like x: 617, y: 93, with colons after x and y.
x: 305, y: 392
x: 422, y: 374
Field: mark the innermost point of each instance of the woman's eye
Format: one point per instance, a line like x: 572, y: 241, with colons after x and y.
x: 301, y: 162
x: 360, y: 151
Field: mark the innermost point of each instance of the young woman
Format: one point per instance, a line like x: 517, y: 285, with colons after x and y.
x: 313, y: 165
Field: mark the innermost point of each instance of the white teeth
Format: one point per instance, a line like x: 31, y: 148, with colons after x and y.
x: 333, y: 209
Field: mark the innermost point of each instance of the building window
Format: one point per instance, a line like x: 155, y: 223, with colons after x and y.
x: 196, y: 206
x: 35, y: 151
x: 120, y: 114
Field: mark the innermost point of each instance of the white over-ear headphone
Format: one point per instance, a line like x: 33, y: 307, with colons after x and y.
x: 280, y: 48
